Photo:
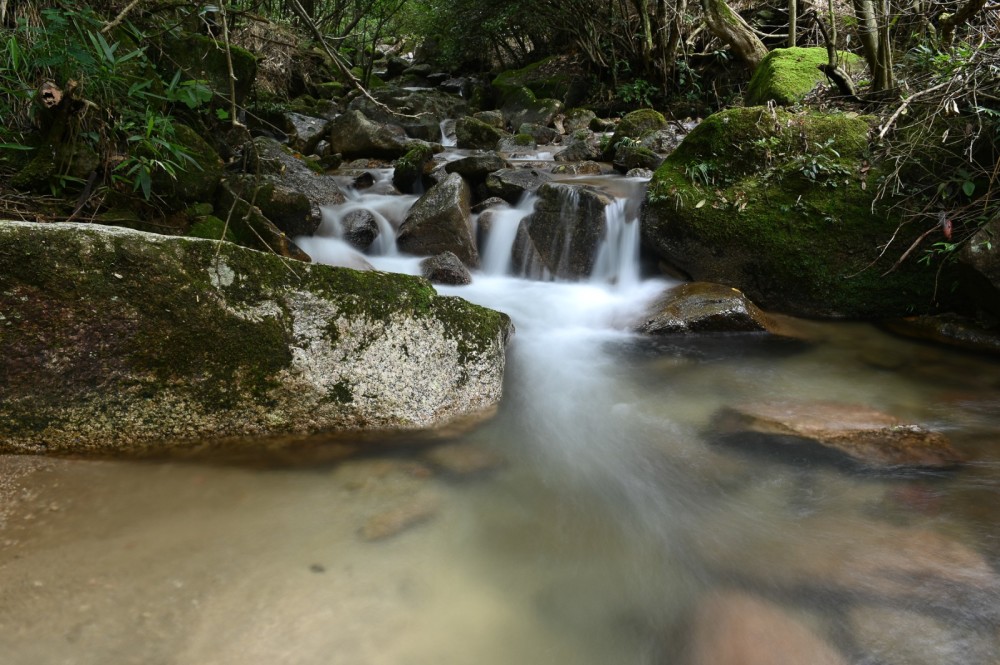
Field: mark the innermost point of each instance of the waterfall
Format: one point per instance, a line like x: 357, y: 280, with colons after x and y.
x: 618, y: 257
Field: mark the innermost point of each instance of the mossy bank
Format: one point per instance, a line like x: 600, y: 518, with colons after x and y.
x: 113, y: 339
x: 782, y: 206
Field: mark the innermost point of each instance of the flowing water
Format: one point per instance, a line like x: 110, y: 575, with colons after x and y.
x: 602, y: 523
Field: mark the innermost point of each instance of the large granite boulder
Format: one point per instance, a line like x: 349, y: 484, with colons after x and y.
x: 780, y: 206
x: 115, y: 340
x: 567, y: 226
x: 441, y: 221
x: 869, y: 437
x: 477, y: 135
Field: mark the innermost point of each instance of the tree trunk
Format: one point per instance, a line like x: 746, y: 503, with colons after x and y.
x: 793, y: 19
x: 730, y: 27
x: 870, y: 37
x: 949, y: 22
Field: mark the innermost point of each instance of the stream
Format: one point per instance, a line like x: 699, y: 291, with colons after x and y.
x: 592, y: 520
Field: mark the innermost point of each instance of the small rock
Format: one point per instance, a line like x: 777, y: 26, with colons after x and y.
x: 445, y: 268
x: 360, y: 228
x: 363, y: 180
x: 487, y: 204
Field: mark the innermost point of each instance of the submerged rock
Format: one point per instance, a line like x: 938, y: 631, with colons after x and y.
x: 950, y: 329
x: 116, y: 340
x: 409, y: 513
x: 700, y: 307
x: 735, y: 628
x: 869, y: 437
x: 441, y: 221
x: 903, y: 637
x: 463, y: 459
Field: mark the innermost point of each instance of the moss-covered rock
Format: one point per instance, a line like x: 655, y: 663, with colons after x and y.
x: 409, y: 171
x: 211, y: 227
x: 476, y: 134
x: 637, y: 124
x: 550, y: 77
x: 116, y: 340
x: 787, y: 75
x: 780, y: 206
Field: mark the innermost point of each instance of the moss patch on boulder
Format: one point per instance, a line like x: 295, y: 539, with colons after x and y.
x: 787, y: 75
x: 779, y: 205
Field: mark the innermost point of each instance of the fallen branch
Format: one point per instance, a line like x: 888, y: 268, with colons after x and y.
x: 906, y: 102
x: 121, y: 17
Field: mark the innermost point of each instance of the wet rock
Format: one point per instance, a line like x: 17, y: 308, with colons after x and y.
x: 363, y: 181
x: 475, y: 168
x: 698, y: 307
x: 511, y: 184
x: 578, y: 168
x: 410, y: 170
x: 637, y: 124
x: 901, y: 637
x: 639, y: 173
x: 303, y: 131
x: 489, y: 204
x: 353, y: 135
x: 521, y: 106
x: 567, y: 226
x: 253, y: 229
x: 477, y: 135
x: 541, y: 134
x: 445, y: 268
x: 734, y: 628
x: 602, y: 125
x: 454, y: 86
x: 441, y: 221
x: 635, y: 156
x: 868, y: 437
x: 491, y: 118
x: 360, y: 228
x: 463, y: 459
x: 285, y: 188
x: 581, y: 145
x: 422, y: 111
x: 950, y: 329
x: 578, y: 119
x: 406, y: 515
x: 981, y: 255
x: 192, y: 339
x: 518, y: 143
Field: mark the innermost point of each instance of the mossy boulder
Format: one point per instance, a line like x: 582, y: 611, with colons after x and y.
x: 477, y: 135
x: 118, y: 341
x: 419, y: 112
x: 787, y: 75
x: 409, y: 171
x: 637, y: 124
x: 204, y: 59
x: 780, y: 205
x: 553, y: 77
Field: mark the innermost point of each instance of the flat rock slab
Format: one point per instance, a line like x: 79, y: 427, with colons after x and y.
x: 870, y: 437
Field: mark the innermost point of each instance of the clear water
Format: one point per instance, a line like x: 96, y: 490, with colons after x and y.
x: 609, y: 528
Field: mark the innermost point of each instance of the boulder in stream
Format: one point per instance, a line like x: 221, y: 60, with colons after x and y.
x: 869, y: 437
x: 512, y: 184
x: 116, y: 341
x: 474, y: 134
x: 703, y: 307
x: 441, y: 221
x: 445, y: 268
x: 567, y: 226
x: 354, y: 135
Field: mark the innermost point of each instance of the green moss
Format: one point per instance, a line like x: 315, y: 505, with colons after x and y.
x: 409, y: 169
x: 787, y: 75
x: 734, y: 204
x: 202, y: 58
x: 196, y: 179
x: 541, y: 79
x: 211, y: 227
x: 637, y: 124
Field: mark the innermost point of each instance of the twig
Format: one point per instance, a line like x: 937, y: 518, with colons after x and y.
x: 234, y: 121
x: 339, y: 62
x: 118, y: 19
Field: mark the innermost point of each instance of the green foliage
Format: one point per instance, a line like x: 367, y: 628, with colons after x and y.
x: 638, y: 92
x: 116, y: 107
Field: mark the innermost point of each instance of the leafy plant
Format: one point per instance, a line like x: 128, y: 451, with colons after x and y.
x: 639, y: 92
